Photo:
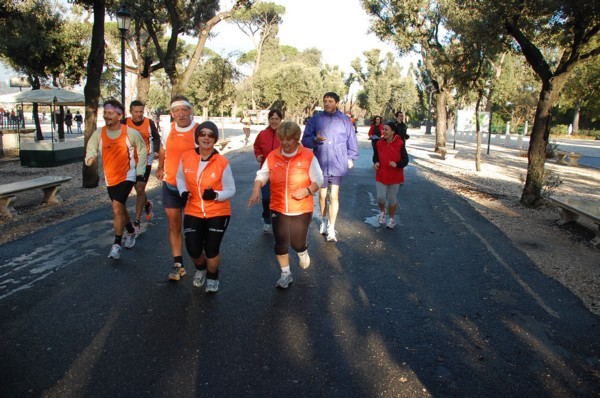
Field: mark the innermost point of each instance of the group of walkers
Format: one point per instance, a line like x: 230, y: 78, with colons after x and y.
x: 198, y: 183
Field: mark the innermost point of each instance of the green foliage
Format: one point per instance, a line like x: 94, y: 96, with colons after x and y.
x: 211, y: 86
x: 559, y: 129
x: 38, y: 42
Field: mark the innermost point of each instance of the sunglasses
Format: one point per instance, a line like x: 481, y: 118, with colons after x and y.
x: 210, y: 134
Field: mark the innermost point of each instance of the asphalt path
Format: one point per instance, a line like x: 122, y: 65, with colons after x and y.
x: 444, y: 305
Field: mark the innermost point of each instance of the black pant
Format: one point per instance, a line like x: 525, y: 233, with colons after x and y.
x: 290, y: 230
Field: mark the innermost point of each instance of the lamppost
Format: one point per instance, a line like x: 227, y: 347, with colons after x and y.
x: 123, y: 22
x: 428, y: 127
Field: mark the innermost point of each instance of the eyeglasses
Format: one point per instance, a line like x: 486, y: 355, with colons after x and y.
x: 210, y: 134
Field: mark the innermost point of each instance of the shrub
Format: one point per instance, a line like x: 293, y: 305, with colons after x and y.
x: 559, y: 129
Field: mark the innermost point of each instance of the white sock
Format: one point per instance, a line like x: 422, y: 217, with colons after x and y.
x: 285, y: 270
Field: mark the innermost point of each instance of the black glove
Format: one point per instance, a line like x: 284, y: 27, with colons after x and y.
x: 185, y: 195
x: 209, y: 194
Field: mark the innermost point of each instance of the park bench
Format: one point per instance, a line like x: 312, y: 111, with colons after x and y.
x: 573, y: 157
x: 571, y: 209
x: 50, y: 185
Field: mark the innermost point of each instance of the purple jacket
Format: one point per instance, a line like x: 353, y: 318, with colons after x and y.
x: 341, y: 143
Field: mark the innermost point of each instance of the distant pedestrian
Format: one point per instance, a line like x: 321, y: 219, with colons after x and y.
x: 79, y: 120
x: 331, y: 136
x: 400, y: 127
x: 389, y: 161
x: 375, y: 131
x: 265, y: 142
x: 295, y: 176
x: 69, y: 121
x: 205, y: 181
x: 116, y: 144
x: 246, y: 121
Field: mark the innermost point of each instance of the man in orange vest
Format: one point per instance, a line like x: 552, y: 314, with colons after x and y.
x: 119, y: 146
x: 174, y: 142
x: 147, y: 129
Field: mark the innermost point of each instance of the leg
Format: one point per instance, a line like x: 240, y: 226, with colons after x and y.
x: 120, y: 217
x: 334, y: 203
x: 393, y: 198
x: 141, y: 199
x: 175, y: 237
x: 323, y: 201
x: 281, y: 232
x: 265, y: 192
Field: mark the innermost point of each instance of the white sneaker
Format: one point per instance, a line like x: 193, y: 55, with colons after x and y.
x: 323, y: 227
x: 381, y: 218
x: 129, y: 240
x: 391, y: 223
x: 285, y: 280
x: 115, y: 252
x: 304, y: 259
x: 177, y: 272
x: 266, y: 228
x: 212, y: 285
x: 331, y: 234
x: 199, y: 278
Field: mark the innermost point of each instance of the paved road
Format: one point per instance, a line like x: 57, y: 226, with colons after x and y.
x: 444, y: 305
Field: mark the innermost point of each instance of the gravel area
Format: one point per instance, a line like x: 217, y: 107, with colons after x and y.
x: 561, y: 252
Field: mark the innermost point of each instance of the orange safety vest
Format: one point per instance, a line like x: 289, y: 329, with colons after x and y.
x: 117, y: 157
x: 143, y: 129
x: 287, y: 176
x: 197, y: 182
x: 177, y: 143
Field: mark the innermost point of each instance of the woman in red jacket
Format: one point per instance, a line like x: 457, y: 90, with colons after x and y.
x: 205, y: 182
x: 265, y: 142
x: 389, y: 160
x: 295, y: 176
x: 376, y: 131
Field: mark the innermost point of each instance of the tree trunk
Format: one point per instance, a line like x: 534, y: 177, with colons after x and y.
x: 478, y: 132
x: 60, y: 123
x: 143, y: 88
x: 36, y: 119
x: 91, y: 90
x: 440, y: 123
x: 540, y: 133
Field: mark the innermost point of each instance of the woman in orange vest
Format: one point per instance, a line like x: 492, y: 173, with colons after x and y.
x: 295, y: 175
x: 205, y: 181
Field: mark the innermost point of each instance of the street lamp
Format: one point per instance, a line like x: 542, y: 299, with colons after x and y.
x: 123, y: 22
x: 428, y: 127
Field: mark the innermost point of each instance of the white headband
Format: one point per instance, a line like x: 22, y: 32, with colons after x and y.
x: 181, y: 103
x: 113, y: 108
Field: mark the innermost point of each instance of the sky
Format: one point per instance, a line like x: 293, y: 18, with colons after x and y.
x: 339, y: 28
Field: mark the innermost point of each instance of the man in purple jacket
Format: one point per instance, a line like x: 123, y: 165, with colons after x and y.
x: 330, y: 134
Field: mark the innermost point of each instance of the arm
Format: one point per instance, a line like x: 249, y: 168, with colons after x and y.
x: 257, y: 152
x: 160, y: 171
x: 309, y: 138
x: 91, y: 151
x: 316, y: 180
x: 403, y: 157
x: 262, y: 176
x: 141, y: 150
x: 228, y: 185
x: 181, y: 183
x: 351, y: 142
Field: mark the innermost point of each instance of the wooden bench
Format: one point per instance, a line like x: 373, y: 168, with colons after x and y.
x: 560, y: 157
x: 571, y: 209
x: 49, y: 184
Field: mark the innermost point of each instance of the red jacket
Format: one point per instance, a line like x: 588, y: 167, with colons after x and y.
x: 372, y: 130
x: 387, y: 152
x: 265, y: 142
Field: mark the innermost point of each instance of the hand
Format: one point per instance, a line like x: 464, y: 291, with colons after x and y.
x: 350, y: 163
x: 185, y: 195
x: 259, y: 158
x: 319, y: 137
x: 376, y: 166
x: 160, y: 173
x: 90, y: 161
x: 393, y: 164
x: 300, y: 194
x: 254, y: 198
x: 209, y: 194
